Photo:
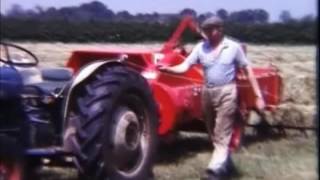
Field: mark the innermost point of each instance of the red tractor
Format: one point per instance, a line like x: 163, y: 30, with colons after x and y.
x: 123, y: 97
x: 108, y: 108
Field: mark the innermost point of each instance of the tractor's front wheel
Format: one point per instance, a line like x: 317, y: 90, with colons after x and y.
x: 115, y: 118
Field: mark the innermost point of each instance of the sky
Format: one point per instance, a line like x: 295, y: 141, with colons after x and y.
x: 297, y: 8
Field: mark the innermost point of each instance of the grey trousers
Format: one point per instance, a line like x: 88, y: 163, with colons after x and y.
x: 219, y: 106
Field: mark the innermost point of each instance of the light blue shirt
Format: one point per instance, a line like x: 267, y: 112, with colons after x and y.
x: 219, y: 64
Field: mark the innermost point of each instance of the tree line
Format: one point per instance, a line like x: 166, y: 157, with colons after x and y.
x: 94, y: 21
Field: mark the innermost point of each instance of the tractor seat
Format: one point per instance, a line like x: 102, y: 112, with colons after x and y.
x: 47, y: 79
x: 54, y: 79
x: 56, y: 74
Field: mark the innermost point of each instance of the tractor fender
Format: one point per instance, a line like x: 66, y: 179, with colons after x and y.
x: 84, y: 73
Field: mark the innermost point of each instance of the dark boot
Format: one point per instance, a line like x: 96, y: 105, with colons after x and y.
x: 216, y: 175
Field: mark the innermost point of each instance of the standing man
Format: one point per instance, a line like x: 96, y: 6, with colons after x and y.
x: 220, y: 57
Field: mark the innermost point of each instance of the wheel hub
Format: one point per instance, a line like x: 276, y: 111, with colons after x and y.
x: 132, y: 135
x: 126, y: 136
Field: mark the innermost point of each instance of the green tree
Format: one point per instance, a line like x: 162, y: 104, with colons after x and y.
x: 222, y: 13
x: 285, y: 16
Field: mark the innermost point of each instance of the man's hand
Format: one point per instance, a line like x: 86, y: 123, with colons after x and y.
x: 177, y: 69
x: 260, y: 104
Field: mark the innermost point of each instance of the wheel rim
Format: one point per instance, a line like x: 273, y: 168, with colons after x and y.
x: 127, y: 131
x: 130, y: 137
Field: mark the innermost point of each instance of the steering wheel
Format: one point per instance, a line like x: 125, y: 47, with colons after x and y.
x: 14, y: 62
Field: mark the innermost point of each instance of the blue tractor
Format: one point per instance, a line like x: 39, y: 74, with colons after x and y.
x: 30, y: 105
x: 41, y: 109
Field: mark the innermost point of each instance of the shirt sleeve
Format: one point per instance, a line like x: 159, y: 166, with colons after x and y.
x: 241, y: 58
x: 193, y: 56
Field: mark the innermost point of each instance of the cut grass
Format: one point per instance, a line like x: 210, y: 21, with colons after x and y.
x: 272, y: 158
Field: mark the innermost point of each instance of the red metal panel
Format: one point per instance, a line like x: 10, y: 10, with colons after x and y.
x: 81, y: 58
x: 270, y: 84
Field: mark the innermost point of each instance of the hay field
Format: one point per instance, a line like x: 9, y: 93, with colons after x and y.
x: 270, y: 158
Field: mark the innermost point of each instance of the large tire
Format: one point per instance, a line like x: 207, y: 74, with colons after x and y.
x: 116, y: 121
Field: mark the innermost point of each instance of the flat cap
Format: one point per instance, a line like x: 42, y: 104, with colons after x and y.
x: 211, y: 21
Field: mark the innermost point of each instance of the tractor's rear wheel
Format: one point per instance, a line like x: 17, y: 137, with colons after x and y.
x: 115, y: 119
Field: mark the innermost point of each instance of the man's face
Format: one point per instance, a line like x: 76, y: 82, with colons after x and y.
x: 214, y: 32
